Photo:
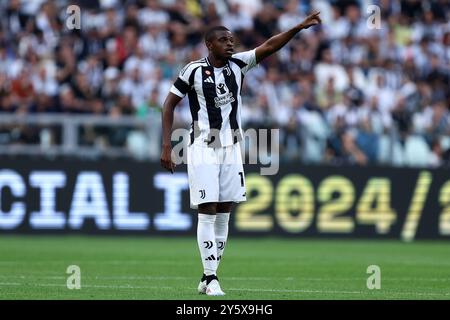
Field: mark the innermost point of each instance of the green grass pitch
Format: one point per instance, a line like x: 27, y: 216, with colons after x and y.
x: 34, y: 267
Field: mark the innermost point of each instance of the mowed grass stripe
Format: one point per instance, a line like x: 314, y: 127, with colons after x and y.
x: 131, y: 287
x: 262, y: 268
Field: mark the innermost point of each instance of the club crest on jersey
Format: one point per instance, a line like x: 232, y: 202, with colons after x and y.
x: 224, y: 96
x: 227, y: 70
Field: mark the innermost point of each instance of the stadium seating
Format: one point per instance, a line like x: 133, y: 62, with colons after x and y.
x: 126, y: 54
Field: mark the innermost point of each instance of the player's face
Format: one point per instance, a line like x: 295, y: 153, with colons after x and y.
x: 222, y: 45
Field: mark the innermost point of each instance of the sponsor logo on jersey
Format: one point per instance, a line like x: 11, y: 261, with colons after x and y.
x: 224, y: 96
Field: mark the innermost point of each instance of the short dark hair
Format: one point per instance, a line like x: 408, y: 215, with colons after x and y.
x: 211, y: 31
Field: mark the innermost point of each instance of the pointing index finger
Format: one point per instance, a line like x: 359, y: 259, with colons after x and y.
x: 316, y: 16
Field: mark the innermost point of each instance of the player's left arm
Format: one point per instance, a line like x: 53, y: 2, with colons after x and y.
x: 278, y: 41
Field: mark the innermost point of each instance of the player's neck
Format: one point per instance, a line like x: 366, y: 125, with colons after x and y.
x: 215, y: 62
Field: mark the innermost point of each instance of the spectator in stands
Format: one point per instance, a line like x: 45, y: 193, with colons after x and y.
x: 127, y: 52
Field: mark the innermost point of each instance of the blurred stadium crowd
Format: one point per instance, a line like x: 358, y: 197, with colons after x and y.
x: 342, y: 93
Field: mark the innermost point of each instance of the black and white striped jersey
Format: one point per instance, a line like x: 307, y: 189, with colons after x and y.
x: 215, y: 98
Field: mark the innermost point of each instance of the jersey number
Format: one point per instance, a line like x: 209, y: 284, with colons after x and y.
x: 242, y: 178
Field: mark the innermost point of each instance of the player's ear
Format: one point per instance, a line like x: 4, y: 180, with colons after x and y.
x: 208, y: 45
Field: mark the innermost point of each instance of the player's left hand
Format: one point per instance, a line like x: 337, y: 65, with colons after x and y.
x: 311, y: 20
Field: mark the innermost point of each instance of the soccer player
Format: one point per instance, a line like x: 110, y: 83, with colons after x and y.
x: 216, y: 176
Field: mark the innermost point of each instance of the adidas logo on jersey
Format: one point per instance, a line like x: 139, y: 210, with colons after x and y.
x: 209, y: 80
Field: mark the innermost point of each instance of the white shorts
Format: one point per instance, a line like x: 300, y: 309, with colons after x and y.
x: 215, y: 174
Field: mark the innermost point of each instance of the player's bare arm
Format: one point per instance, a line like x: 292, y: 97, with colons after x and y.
x: 167, y: 121
x: 278, y: 41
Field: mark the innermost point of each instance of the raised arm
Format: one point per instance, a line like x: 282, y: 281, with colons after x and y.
x: 167, y: 122
x: 278, y: 41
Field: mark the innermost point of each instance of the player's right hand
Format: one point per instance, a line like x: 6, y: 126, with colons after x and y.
x: 166, y: 159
